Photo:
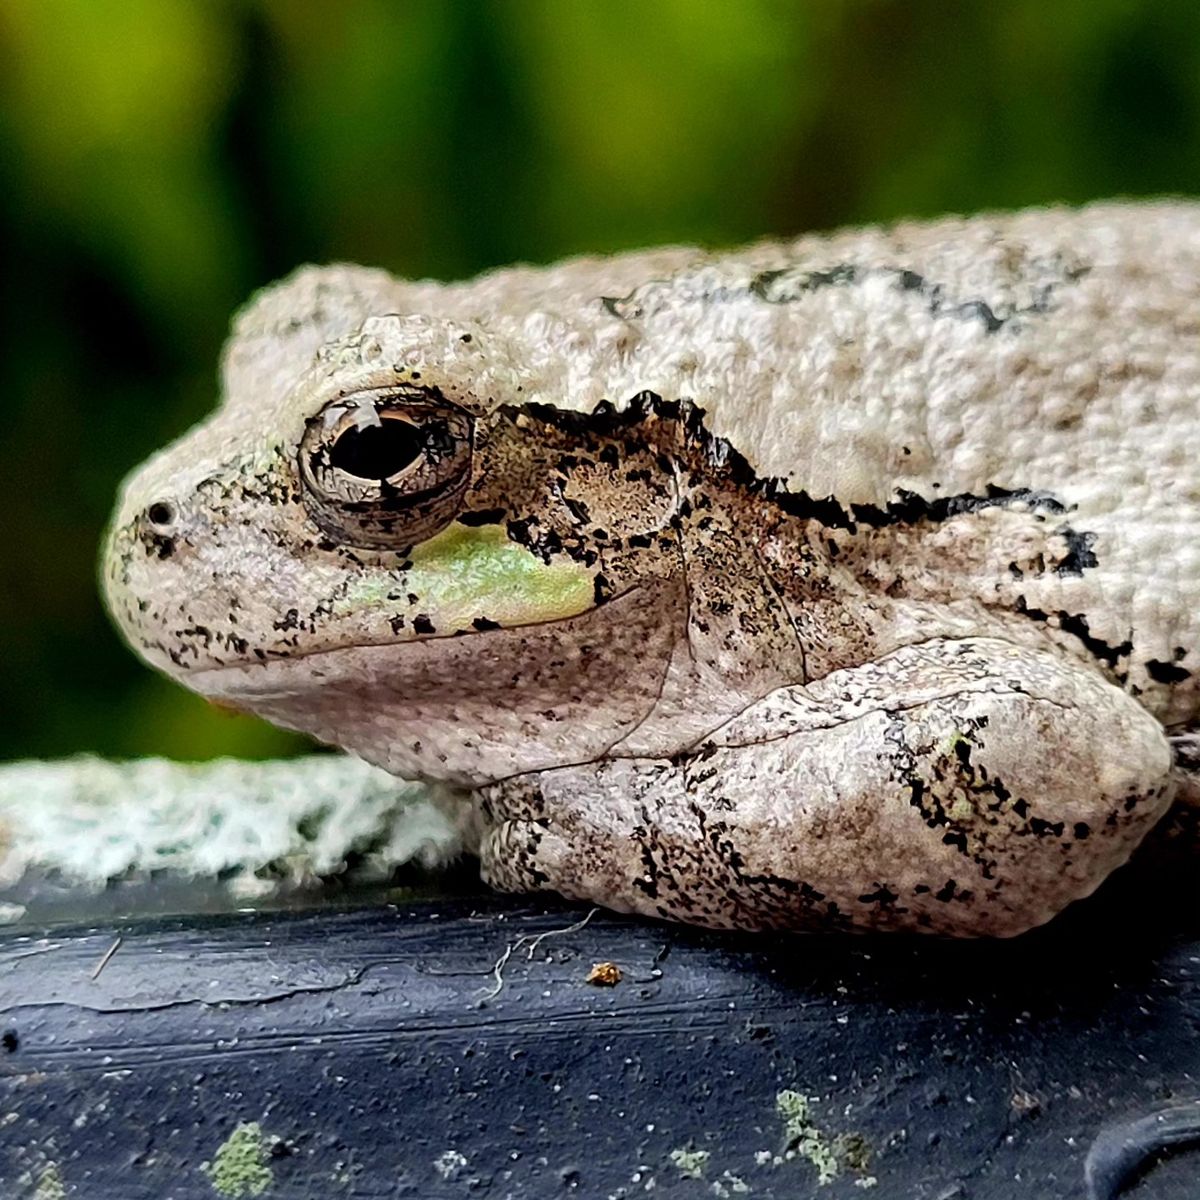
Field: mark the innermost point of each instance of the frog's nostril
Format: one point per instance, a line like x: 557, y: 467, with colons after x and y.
x: 161, y: 514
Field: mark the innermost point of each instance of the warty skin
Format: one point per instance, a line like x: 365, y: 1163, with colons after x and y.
x: 845, y: 583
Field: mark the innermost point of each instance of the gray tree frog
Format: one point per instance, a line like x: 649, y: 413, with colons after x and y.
x: 850, y: 582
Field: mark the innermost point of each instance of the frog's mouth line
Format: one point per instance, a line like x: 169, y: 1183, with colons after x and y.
x: 468, y: 710
x: 251, y: 677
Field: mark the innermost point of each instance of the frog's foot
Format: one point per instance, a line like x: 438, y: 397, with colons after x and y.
x: 961, y: 787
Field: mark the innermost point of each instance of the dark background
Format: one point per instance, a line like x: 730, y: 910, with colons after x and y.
x: 163, y: 158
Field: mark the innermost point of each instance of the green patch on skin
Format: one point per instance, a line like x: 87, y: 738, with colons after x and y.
x: 691, y: 1164
x: 239, y: 1167
x: 50, y: 1185
x: 466, y: 572
x: 961, y: 809
x: 956, y: 739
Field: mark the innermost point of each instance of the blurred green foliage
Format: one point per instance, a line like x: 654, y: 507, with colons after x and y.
x: 162, y: 158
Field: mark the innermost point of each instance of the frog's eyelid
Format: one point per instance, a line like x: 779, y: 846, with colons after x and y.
x: 366, y: 415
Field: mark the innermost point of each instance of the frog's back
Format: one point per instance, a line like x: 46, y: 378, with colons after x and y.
x: 1052, y: 351
x: 958, y: 352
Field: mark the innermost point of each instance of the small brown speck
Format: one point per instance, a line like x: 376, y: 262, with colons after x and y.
x: 604, y: 974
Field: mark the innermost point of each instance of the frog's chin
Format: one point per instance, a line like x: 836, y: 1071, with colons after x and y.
x: 473, y: 708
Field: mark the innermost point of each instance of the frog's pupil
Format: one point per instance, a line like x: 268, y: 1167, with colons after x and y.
x: 376, y: 451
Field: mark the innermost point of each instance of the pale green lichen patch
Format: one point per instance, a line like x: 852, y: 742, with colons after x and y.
x: 690, y: 1163
x: 240, y: 1167
x: 804, y: 1139
x: 830, y: 1156
x: 49, y: 1184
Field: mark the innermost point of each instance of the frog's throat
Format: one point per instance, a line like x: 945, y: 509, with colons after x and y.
x: 470, y: 710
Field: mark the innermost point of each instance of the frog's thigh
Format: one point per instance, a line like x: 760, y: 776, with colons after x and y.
x: 957, y: 791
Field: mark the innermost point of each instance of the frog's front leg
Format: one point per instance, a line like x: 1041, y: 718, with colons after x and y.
x: 961, y: 787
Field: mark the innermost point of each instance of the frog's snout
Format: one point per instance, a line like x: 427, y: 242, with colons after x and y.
x: 146, y: 569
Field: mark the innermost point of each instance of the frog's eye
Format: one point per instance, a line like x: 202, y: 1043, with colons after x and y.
x: 385, y: 470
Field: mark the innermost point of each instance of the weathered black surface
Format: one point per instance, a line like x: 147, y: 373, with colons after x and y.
x: 364, y: 1041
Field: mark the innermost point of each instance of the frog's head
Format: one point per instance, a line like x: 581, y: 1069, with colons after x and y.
x: 381, y: 540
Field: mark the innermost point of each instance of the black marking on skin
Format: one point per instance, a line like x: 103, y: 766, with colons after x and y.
x: 909, y: 508
x: 1080, y: 555
x: 1166, y: 672
x: 481, y: 516
x: 1076, y: 625
x: 882, y: 895
x: 827, y: 512
x: 951, y: 891
x: 788, y: 285
x: 483, y: 624
x: 956, y: 776
x: 578, y: 509
x: 809, y: 281
x: 1043, y: 828
x: 774, y: 900
x: 158, y: 544
x: 610, y: 303
x: 647, y: 883
x: 422, y: 624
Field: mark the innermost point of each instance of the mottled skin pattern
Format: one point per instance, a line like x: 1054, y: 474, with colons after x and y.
x: 845, y: 583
